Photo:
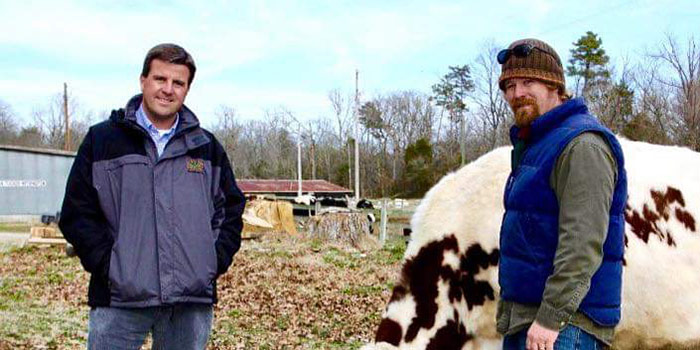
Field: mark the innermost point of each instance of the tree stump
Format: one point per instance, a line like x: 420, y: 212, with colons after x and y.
x: 343, y: 227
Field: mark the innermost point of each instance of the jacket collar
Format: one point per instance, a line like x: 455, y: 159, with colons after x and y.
x: 548, y: 121
x: 187, y: 119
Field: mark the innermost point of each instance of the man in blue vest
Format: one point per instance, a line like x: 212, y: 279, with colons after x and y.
x: 562, y: 235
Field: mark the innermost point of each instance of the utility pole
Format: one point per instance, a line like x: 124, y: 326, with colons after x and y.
x: 299, y: 165
x: 66, y: 135
x: 357, y: 144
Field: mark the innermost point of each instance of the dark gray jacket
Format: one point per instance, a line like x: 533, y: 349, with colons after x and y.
x: 152, y: 231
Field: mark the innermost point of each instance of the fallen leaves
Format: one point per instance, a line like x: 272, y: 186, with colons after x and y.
x: 282, y: 292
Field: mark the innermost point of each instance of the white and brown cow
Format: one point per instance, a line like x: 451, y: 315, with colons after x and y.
x: 446, y: 296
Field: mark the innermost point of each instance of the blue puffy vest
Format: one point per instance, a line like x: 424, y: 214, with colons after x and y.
x: 529, y: 231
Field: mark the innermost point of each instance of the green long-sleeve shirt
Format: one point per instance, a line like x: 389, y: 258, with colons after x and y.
x: 584, y: 181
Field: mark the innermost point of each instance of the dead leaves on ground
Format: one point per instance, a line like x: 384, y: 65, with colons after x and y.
x: 281, y: 293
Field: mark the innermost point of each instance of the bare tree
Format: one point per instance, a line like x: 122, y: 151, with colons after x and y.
x: 342, y: 111
x: 397, y: 120
x: 228, y: 131
x: 684, y: 83
x: 492, y: 112
x: 342, y: 108
x: 8, y: 126
x: 30, y: 136
x: 308, y: 131
x: 50, y: 121
x: 613, y: 102
x: 652, y: 101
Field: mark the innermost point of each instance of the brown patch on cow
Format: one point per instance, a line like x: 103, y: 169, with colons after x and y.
x: 669, y: 240
x: 651, y: 216
x: 686, y: 218
x: 398, y: 293
x: 664, y: 200
x: 674, y: 195
x: 421, y: 275
x: 389, y: 331
x: 645, y: 225
x: 451, y: 336
x: 640, y: 226
x: 420, y: 278
x: 463, y: 283
x: 627, y: 241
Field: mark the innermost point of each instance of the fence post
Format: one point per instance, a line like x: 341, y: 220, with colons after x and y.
x: 382, y: 231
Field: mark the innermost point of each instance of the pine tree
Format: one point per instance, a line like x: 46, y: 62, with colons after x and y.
x: 588, y: 62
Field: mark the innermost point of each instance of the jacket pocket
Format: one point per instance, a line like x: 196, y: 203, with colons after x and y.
x: 133, y: 271
x: 125, y: 189
x: 121, y: 182
x: 194, y: 256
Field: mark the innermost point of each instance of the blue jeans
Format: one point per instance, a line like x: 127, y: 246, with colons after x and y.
x: 570, y: 338
x: 185, y: 326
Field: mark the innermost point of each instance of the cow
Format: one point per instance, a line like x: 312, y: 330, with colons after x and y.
x: 446, y: 295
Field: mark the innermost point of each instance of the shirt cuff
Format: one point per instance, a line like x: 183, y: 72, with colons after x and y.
x: 550, y: 318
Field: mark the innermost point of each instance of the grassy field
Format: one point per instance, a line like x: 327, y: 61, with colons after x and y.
x: 19, y: 227
x: 282, y: 293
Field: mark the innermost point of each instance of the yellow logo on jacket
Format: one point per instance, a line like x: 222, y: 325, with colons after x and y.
x: 195, y: 165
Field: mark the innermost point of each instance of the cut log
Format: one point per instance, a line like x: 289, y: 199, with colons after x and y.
x: 278, y: 214
x: 344, y: 227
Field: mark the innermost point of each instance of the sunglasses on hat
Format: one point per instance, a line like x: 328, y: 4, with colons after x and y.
x: 522, y: 50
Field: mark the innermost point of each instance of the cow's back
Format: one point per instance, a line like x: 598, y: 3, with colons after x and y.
x: 460, y: 217
x: 661, y: 290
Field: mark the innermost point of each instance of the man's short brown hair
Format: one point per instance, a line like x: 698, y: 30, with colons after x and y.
x: 170, y: 53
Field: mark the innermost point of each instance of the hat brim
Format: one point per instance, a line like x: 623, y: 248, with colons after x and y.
x: 537, y: 74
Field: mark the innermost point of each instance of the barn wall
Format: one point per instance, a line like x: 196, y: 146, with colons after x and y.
x: 32, y: 182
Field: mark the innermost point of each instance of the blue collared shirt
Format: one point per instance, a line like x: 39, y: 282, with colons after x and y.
x: 159, y: 137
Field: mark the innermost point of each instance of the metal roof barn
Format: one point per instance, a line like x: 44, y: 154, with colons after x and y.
x: 32, y: 180
x: 289, y: 187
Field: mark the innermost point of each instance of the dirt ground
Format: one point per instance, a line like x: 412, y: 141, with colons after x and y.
x: 283, y: 292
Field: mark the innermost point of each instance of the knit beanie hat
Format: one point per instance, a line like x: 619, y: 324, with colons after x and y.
x: 538, y: 65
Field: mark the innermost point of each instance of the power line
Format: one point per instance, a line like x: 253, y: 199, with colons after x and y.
x: 605, y: 11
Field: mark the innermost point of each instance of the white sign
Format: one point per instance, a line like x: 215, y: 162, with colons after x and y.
x: 22, y: 183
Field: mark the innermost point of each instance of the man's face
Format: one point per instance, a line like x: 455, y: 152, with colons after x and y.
x: 164, y: 89
x: 529, y: 98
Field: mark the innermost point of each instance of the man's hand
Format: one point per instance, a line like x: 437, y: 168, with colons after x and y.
x: 540, y: 338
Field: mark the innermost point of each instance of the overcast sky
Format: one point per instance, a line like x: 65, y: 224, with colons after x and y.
x: 258, y: 55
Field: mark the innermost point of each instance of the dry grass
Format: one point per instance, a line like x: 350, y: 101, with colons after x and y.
x: 21, y: 227
x: 281, y: 293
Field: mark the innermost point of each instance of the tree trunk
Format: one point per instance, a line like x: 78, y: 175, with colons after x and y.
x: 343, y: 227
x: 313, y: 160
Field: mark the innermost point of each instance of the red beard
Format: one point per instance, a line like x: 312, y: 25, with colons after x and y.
x: 524, y: 116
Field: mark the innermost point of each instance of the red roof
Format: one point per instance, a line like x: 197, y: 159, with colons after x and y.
x: 289, y: 186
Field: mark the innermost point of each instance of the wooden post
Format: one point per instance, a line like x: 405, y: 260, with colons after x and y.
x: 299, y: 192
x: 383, y: 222
x: 357, y: 136
x: 66, y: 135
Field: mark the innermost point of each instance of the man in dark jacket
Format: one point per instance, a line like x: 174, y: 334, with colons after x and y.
x: 560, y: 268
x: 154, y: 213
